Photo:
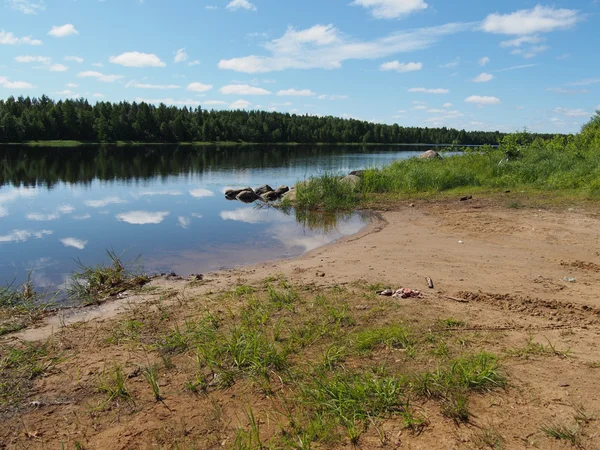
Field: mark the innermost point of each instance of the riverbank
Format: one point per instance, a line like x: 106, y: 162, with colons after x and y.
x: 302, y: 353
x: 62, y: 143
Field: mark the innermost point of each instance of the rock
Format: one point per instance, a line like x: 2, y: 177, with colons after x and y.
x: 320, y: 274
x: 233, y: 193
x: 263, y: 190
x: 357, y: 173
x: 468, y: 197
x: 196, y: 277
x: 386, y: 292
x: 430, y: 154
x: 269, y: 196
x: 247, y: 196
x: 282, y: 190
x: 291, y: 195
x: 351, y: 179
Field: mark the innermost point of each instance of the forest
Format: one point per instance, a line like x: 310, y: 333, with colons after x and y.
x: 28, y: 119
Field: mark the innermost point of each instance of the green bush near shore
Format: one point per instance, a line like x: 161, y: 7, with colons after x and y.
x: 563, y: 163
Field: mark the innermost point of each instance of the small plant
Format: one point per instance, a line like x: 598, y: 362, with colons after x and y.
x: 451, y: 323
x: 243, y: 290
x: 393, y: 336
x: 563, y: 432
x: 488, y: 437
x: 456, y: 407
x: 112, y: 383
x: 150, y: 373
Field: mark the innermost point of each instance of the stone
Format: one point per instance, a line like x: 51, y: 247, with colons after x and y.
x: 358, y: 173
x: 282, y: 190
x: 351, y: 179
x: 430, y: 154
x: 269, y: 196
x: 233, y: 193
x: 263, y: 189
x: 291, y: 195
x: 247, y: 196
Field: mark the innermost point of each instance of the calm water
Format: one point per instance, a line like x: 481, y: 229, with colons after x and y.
x: 58, y: 206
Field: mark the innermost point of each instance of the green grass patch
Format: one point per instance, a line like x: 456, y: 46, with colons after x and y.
x: 393, y: 336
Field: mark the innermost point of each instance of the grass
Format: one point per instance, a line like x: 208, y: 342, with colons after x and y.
x: 566, y: 164
x: 150, y: 373
x: 93, y: 284
x: 21, y: 306
x: 393, y: 336
x: 112, y: 384
x: 563, y: 432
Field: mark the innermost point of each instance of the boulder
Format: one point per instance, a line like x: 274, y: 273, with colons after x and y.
x: 269, y: 196
x: 430, y: 154
x: 290, y: 195
x: 247, y: 196
x: 233, y: 193
x: 263, y: 189
x: 358, y: 173
x: 351, y: 179
x: 281, y: 190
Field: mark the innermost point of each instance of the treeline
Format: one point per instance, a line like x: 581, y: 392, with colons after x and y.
x: 43, y: 119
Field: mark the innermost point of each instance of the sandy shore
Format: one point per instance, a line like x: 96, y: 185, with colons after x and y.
x: 497, y: 268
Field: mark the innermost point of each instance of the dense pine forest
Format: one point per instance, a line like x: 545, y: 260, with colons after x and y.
x: 43, y: 119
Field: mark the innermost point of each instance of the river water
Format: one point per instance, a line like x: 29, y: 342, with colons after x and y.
x: 60, y: 207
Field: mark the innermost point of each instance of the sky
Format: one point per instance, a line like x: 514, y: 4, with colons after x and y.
x: 472, y: 64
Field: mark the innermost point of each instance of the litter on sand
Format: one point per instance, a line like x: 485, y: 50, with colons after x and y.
x: 401, y: 293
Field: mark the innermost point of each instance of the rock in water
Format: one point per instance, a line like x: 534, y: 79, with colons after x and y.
x: 351, y: 179
x: 282, y: 190
x: 263, y: 189
x: 269, y: 196
x: 430, y: 154
x: 233, y: 193
x: 247, y: 196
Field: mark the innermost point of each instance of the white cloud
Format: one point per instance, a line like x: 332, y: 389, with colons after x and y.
x: 104, y: 202
x: 324, y: 47
x: 201, y: 193
x: 247, y: 215
x: 76, y: 59
x: 67, y: 93
x: 484, y: 61
x: 520, y: 41
x: 66, y: 209
x: 572, y: 112
x: 6, y: 83
x: 195, y: 62
x: 197, y: 215
x: 483, y: 78
x: 73, y: 242
x: 483, y: 100
x: 240, y: 104
x: 158, y: 193
x: 451, y: 65
x: 97, y: 95
x: 137, y: 59
x: 243, y: 89
x: 24, y: 235
x: 8, y: 38
x: 541, y: 19
x: 586, y: 82
x: 447, y: 105
x: 72, y: 85
x: 523, y: 66
x: 63, y: 30
x: 429, y: 91
x: 401, y: 67
x: 57, y: 68
x: 97, y: 64
x: 99, y: 76
x: 391, y: 9
x: 136, y: 84
x: 332, y: 97
x: 420, y: 107
x: 214, y: 102
x: 199, y: 87
x: 181, y: 55
x: 40, y: 217
x: 234, y: 5
x: 295, y: 93
x: 170, y: 101
x: 27, y: 6
x: 560, y: 90
x: 142, y: 217
x: 82, y: 217
x: 184, y: 222
x: 29, y: 59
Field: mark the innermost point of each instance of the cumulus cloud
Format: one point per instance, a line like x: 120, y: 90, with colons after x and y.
x: 332, y: 97
x: 483, y: 78
x: 214, y: 102
x: 401, y: 67
x: 447, y: 105
x: 30, y: 59
x: 429, y: 91
x: 482, y: 100
x: 76, y: 59
x: 136, y: 84
x: 57, y: 68
x: 184, y: 222
x: 541, y: 19
x: 41, y: 217
x: 295, y: 93
x: 169, y: 101
x: 240, y: 104
x: 104, y: 202
x: 24, y: 235
x: 391, y: 9
x: 63, y: 30
x: 234, y: 5
x: 27, y: 6
x: 137, y: 59
x: 181, y: 55
x: 325, y: 47
x: 6, y: 83
x: 8, y: 38
x: 199, y: 87
x: 99, y: 76
x: 484, y: 61
x: 66, y: 209
x: 142, y: 217
x: 243, y: 89
x: 201, y: 193
x: 73, y: 242
x: 572, y: 112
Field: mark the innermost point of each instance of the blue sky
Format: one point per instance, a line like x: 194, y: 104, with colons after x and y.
x: 469, y: 64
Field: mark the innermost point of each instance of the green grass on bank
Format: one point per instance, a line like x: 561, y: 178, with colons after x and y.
x: 567, y: 165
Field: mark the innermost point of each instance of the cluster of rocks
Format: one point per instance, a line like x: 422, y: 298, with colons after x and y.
x: 248, y: 195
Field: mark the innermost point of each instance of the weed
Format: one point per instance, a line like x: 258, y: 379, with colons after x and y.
x: 456, y: 407
x: 242, y: 290
x: 327, y: 192
x: 334, y: 357
x: 488, y: 437
x: 150, y: 373
x: 451, y: 322
x: 21, y: 306
x: 393, y: 336
x: 196, y: 385
x: 112, y: 383
x: 563, y: 432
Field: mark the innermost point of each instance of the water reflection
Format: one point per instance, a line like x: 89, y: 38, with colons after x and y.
x: 58, y: 206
